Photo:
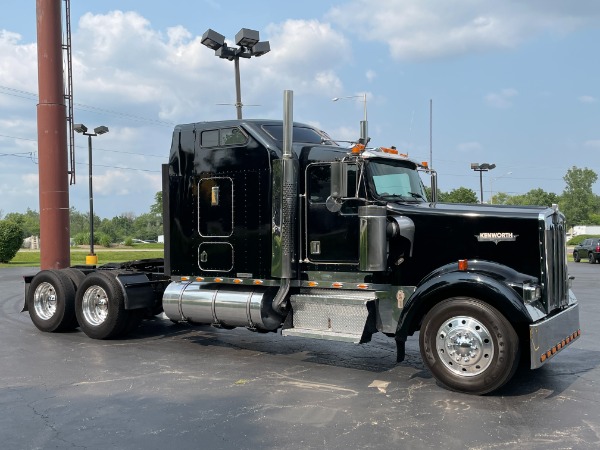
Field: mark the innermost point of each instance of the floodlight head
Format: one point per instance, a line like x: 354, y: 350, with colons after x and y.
x: 226, y: 52
x: 246, y: 37
x: 80, y: 128
x: 212, y: 39
x: 101, y: 129
x: 487, y: 166
x: 474, y: 166
x: 260, y: 48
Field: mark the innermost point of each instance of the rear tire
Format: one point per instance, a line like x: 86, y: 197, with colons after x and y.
x: 51, y: 301
x: 76, y: 276
x: 591, y: 258
x: 469, y: 346
x: 100, y: 306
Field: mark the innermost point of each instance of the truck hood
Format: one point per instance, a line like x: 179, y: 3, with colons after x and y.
x: 474, y: 210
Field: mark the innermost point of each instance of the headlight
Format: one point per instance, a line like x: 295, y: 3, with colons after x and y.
x: 531, y: 292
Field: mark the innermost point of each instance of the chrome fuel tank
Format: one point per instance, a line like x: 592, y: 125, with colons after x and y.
x: 225, y: 305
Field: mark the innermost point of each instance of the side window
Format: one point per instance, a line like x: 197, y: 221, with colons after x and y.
x: 319, y: 183
x: 223, y: 137
x: 209, y: 138
x: 232, y: 136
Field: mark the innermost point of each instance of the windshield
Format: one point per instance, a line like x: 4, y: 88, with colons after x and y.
x: 396, y: 180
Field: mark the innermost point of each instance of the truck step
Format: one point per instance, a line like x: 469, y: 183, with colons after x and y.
x: 331, y: 316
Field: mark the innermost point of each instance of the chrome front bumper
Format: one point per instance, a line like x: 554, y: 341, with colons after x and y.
x: 551, y: 335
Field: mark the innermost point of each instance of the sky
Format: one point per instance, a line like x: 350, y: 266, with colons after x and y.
x: 515, y: 83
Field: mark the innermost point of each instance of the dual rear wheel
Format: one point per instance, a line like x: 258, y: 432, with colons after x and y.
x: 62, y: 300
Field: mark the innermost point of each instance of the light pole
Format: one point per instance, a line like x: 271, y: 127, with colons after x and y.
x: 482, y: 168
x: 91, y: 259
x: 249, y: 45
x: 491, y: 188
x: 364, y: 127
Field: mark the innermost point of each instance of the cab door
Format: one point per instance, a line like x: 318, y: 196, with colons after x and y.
x: 331, y: 237
x: 215, y: 224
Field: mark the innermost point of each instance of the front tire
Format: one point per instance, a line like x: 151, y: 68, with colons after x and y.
x: 576, y: 257
x: 100, y: 306
x: 469, y: 346
x: 51, y: 301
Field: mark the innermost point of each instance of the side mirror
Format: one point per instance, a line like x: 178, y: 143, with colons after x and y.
x: 434, y: 187
x: 338, y: 187
x: 339, y: 180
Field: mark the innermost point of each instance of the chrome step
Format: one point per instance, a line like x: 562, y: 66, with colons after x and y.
x: 339, y: 317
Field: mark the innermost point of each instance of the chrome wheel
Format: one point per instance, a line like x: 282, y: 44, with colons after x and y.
x: 44, y: 301
x: 95, y: 305
x: 464, y: 345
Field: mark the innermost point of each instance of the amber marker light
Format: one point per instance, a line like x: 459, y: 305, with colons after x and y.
x: 358, y: 148
x: 199, y: 279
x: 463, y: 265
x: 337, y: 284
x: 218, y: 280
x: 258, y: 282
x: 185, y: 278
x: 362, y: 286
x: 312, y: 284
x: 237, y: 281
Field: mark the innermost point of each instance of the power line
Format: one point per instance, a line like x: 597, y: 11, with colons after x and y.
x: 117, y: 167
x: 33, y: 96
x: 84, y: 147
x: 32, y: 156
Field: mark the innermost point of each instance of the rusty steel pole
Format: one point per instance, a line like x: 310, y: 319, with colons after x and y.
x: 52, y: 138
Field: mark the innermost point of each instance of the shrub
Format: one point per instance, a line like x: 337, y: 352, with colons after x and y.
x: 129, y: 242
x: 11, y: 238
x: 103, y: 239
x: 82, y: 238
x: 100, y: 238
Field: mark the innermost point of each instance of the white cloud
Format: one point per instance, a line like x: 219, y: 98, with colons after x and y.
x: 469, y: 147
x: 593, y: 144
x: 501, y: 99
x: 439, y: 28
x: 371, y: 75
x: 126, y: 69
x: 587, y: 99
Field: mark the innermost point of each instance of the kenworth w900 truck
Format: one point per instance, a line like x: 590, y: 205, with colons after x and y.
x: 271, y: 225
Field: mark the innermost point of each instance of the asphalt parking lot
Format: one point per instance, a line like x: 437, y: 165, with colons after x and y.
x: 176, y: 386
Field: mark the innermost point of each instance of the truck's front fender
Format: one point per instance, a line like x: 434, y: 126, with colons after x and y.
x: 484, y: 280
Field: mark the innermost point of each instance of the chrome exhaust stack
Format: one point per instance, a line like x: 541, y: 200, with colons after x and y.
x: 285, y: 195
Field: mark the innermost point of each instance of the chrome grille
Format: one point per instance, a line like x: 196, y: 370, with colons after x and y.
x: 555, y: 275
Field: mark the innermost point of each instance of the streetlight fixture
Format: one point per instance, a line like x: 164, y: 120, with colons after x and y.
x: 91, y: 259
x: 491, y: 189
x: 364, y: 127
x: 482, y: 168
x: 249, y: 46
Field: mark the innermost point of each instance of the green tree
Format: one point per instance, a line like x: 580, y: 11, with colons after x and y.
x: 11, y: 238
x: 458, y: 195
x: 29, y: 222
x: 147, y: 226
x: 80, y: 221
x: 533, y: 197
x: 502, y: 198
x: 157, y: 206
x: 578, y: 201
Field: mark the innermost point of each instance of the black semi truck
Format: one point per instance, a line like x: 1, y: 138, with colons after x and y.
x: 272, y: 225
